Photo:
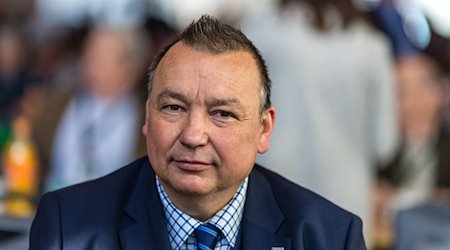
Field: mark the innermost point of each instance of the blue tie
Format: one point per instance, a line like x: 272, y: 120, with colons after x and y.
x: 206, y: 236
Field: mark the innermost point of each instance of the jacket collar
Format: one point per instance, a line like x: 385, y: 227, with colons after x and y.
x: 143, y: 225
x: 262, y: 216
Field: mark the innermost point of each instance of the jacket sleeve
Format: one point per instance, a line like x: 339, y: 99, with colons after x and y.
x: 355, y: 238
x: 46, y: 227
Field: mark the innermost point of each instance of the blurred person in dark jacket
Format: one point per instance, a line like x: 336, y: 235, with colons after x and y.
x: 15, y: 75
x: 413, y: 178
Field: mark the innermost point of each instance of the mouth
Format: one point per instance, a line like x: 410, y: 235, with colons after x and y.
x: 191, y: 165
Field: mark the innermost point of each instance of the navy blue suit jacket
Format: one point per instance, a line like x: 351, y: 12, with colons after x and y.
x: 123, y: 211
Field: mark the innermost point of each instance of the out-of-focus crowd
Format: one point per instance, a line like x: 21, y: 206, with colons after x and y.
x: 72, y: 95
x: 363, y: 101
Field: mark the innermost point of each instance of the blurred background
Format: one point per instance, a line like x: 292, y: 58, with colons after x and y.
x: 361, y: 88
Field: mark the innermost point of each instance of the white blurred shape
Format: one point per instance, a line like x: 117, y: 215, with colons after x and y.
x: 73, y: 13
x: 438, y: 12
x: 416, y: 28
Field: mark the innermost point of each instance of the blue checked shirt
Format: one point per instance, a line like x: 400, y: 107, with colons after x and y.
x: 181, y: 226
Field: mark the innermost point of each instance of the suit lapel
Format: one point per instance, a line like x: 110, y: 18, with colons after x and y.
x: 262, y: 217
x: 143, y: 225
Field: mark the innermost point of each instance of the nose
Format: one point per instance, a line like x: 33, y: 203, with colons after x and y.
x: 194, y: 133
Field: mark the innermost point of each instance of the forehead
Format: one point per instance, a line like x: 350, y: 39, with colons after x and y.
x: 183, y: 64
x: 105, y: 41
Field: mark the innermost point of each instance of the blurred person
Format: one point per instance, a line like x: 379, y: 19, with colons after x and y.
x: 208, y: 114
x: 335, y: 93
x: 420, y: 111
x: 410, y: 178
x: 439, y: 49
x: 15, y: 75
x: 425, y: 224
x: 16, y: 79
x: 416, y: 183
x: 83, y: 129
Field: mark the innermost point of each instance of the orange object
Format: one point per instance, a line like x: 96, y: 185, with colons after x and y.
x: 20, y: 171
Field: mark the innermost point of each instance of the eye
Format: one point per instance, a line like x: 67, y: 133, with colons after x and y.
x: 173, y: 108
x: 223, y: 114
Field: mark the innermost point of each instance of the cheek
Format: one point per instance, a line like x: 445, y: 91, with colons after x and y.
x: 160, y: 136
x: 234, y: 139
x: 236, y: 148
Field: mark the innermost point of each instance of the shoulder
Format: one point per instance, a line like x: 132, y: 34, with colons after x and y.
x: 103, y: 198
x: 310, y: 217
x: 294, y: 198
x: 89, y: 208
x: 93, y: 209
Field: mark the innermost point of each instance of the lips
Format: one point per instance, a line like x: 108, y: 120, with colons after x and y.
x: 192, y: 165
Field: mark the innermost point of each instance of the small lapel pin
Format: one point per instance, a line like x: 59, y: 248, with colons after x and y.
x: 277, y: 248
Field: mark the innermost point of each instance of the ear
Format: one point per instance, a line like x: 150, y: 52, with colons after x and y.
x: 145, y: 126
x: 267, y: 123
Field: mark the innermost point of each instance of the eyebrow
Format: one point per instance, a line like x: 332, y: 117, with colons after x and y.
x: 211, y: 102
x: 214, y: 102
x: 173, y: 95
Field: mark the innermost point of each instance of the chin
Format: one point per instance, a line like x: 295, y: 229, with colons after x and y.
x: 192, y: 188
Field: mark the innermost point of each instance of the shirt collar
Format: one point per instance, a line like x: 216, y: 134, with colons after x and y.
x: 181, y: 225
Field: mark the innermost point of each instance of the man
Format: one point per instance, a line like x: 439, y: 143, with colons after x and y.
x: 81, y: 134
x: 208, y: 114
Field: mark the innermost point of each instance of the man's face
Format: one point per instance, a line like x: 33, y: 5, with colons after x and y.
x: 105, y: 67
x: 202, y: 125
x: 419, y: 97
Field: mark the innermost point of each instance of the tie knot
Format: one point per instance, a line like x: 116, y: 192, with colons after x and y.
x: 206, y: 236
